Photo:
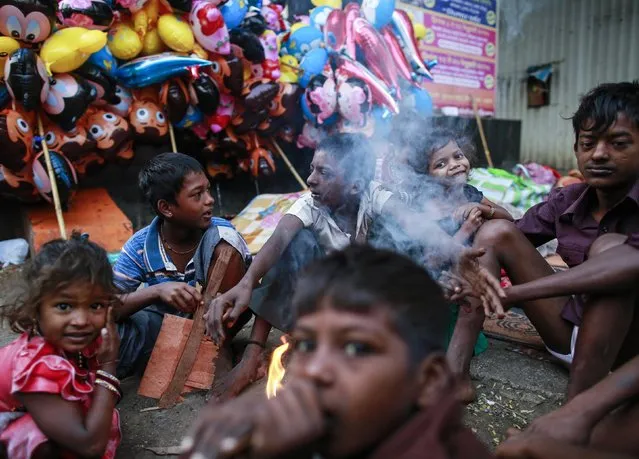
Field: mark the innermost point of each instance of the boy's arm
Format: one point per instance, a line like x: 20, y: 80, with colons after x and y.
x: 539, y: 447
x: 615, y: 269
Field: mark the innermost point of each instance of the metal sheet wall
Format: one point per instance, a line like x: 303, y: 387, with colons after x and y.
x: 589, y: 42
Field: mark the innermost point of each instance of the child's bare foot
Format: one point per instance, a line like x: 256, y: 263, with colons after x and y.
x: 249, y: 370
x: 466, y: 392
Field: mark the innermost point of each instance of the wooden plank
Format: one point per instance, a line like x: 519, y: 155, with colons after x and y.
x: 189, y: 354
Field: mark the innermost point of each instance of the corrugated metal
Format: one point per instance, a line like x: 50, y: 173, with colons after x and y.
x: 589, y: 41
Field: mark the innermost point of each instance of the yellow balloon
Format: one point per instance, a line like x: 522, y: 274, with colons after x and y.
x: 152, y: 44
x: 124, y: 43
x: 200, y: 52
x: 7, y: 46
x: 288, y: 64
x: 420, y: 30
x: 335, y: 4
x: 68, y: 49
x: 176, y: 33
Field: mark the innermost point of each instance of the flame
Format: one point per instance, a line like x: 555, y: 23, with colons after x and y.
x: 276, y: 370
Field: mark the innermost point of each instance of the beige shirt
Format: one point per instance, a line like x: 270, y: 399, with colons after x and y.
x: 329, y: 235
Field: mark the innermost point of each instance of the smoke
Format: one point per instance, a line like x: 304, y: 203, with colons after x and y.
x: 514, y: 13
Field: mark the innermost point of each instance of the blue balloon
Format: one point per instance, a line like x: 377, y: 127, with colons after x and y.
x: 233, y: 12
x: 158, y: 68
x: 312, y: 64
x: 378, y: 12
x: 319, y: 15
x: 423, y: 101
x: 383, y: 118
x: 193, y: 116
x: 302, y: 41
x: 312, y: 117
x: 5, y: 97
x: 105, y: 61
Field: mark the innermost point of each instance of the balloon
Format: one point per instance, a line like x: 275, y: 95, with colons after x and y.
x: 132, y: 5
x: 283, y: 111
x: 254, y: 22
x: 123, y: 106
x: 378, y: 12
x: 176, y: 33
x: 250, y: 44
x: 347, y: 67
x: 192, y: 118
x: 334, y: 30
x: 5, y: 97
x: 354, y: 101
x: 382, y: 120
x: 403, y: 27
x: 319, y: 16
x: 228, y: 73
x: 222, y: 117
x: 30, y: 21
x: 312, y: 64
x: 145, y: 71
x: 310, y: 136
x: 152, y: 43
x: 16, y: 138
x: 302, y: 40
x: 204, y: 93
x: 312, y: 117
x: 273, y: 15
x: 146, y: 18
x: 422, y: 101
x: 180, y: 5
x: 104, y: 85
x: 321, y: 97
x: 336, y: 4
x: 233, y: 12
x: 26, y: 78
x: 104, y: 59
x: 68, y: 99
x: 148, y: 122
x: 72, y: 144
x: 124, y: 43
x: 90, y: 14
x: 112, y: 133
x: 65, y: 178
x: 7, y: 46
x: 351, y: 12
x: 175, y: 98
x: 288, y: 69
x: 68, y: 49
x: 378, y: 59
x: 245, y: 120
x: 260, y: 94
x: 18, y: 186
x: 399, y: 59
x: 209, y: 28
x: 88, y: 164
x: 270, y: 67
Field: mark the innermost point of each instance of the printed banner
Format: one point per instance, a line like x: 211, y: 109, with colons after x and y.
x: 462, y: 35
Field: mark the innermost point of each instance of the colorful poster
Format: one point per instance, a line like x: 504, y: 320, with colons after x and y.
x: 462, y: 36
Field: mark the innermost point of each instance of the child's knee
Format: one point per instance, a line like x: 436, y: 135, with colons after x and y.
x: 606, y: 242
x: 495, y: 232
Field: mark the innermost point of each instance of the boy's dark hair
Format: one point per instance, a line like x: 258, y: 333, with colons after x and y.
x: 361, y: 278
x: 58, y: 264
x: 599, y: 108
x: 419, y: 158
x: 163, y: 177
x: 354, y: 155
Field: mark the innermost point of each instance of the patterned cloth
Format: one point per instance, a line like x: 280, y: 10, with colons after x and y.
x: 504, y: 187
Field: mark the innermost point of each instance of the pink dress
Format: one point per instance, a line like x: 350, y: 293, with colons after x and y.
x: 33, y: 365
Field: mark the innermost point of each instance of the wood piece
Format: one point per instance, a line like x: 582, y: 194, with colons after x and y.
x: 484, y: 143
x: 189, y: 354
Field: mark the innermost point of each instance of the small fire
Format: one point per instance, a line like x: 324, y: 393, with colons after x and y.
x: 276, y: 370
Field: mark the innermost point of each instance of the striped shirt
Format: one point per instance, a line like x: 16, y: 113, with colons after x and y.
x: 143, y: 259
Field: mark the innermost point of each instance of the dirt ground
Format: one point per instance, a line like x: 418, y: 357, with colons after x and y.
x: 515, y: 384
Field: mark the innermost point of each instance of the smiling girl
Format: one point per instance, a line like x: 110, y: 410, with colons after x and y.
x: 58, y: 392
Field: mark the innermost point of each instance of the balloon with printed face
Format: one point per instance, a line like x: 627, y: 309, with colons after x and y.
x: 273, y: 15
x: 68, y: 99
x: 204, y: 93
x: 104, y: 60
x: 250, y: 44
x: 259, y: 94
x: 270, y: 67
x: 377, y: 57
x: 209, y: 28
x: 7, y: 46
x: 378, y: 12
x: 319, y: 16
x: 123, y: 105
x: 403, y: 28
x: 149, y: 70
x: 228, y: 73
x: 65, y: 178
x: 104, y: 85
x: 222, y: 116
x: 16, y: 138
x: 312, y: 117
x: 30, y: 21
x: 321, y: 97
x: 149, y: 122
x: 254, y: 22
x: 233, y: 12
x: 354, y: 101
x: 312, y: 64
x: 112, y: 133
x: 302, y: 40
x: 74, y: 144
x: 26, y: 78
x: 175, y: 97
x: 192, y: 118
x: 310, y: 136
x: 90, y: 14
x: 335, y: 30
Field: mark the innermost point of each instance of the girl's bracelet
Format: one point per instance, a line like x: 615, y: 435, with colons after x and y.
x: 110, y: 387
x: 107, y: 377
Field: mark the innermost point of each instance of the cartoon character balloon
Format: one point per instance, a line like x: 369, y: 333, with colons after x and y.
x: 378, y: 12
x: 90, y: 14
x: 68, y: 99
x: 209, y: 28
x: 104, y: 85
x: 354, y: 101
x: 113, y: 135
x: 16, y: 138
x: 233, y: 12
x: 74, y: 144
x: 321, y: 96
x: 64, y: 174
x: 30, y: 21
x: 18, y: 185
x: 149, y: 122
x: 27, y: 79
x: 7, y: 46
x: 222, y: 116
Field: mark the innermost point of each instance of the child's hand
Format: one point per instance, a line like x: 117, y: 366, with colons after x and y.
x: 225, y: 309
x: 483, y: 284
x: 461, y: 214
x: 110, y: 346
x: 565, y: 424
x: 180, y: 295
x: 473, y: 222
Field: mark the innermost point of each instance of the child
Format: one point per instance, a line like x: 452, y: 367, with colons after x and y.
x: 58, y: 392
x: 367, y: 377
x: 591, y: 333
x: 175, y: 250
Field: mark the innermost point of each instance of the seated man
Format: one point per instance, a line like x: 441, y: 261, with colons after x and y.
x: 367, y: 376
x: 177, y: 249
x: 591, y: 333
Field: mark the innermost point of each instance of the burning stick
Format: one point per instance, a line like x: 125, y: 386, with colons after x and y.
x: 276, y: 370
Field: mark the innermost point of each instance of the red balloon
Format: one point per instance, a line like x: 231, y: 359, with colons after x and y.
x: 335, y: 30
x: 395, y: 50
x: 404, y: 28
x: 375, y: 52
x: 352, y: 12
x: 16, y: 138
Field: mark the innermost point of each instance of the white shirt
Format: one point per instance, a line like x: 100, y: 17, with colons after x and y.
x: 320, y: 221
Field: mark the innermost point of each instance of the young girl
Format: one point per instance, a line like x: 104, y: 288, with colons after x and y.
x: 58, y: 392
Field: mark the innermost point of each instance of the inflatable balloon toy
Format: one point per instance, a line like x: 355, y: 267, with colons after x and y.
x: 147, y: 119
x: 68, y: 98
x: 26, y: 78
x: 310, y: 137
x: 399, y: 59
x: 273, y: 15
x: 321, y: 97
x: 90, y: 14
x: 7, y: 46
x: 319, y: 15
x: 5, y: 97
x: 233, y: 12
x: 131, y: 5
x: 192, y: 118
x: 104, y: 60
x: 73, y: 144
x: 312, y: 64
x: 259, y: 93
x: 245, y: 120
x: 16, y: 138
x: 123, y: 42
x: 204, y: 93
x: 104, y: 85
x: 18, y: 186
x: 254, y: 22
x: 209, y: 28
x: 354, y: 101
x: 283, y: 110
x: 176, y: 33
x: 335, y: 30
x: 146, y: 18
x: 149, y: 70
x: 302, y: 39
x: 289, y: 69
x: 179, y: 5
x: 250, y: 44
x: 222, y: 116
x: 113, y: 135
x: 174, y: 97
x: 64, y: 174
x: 312, y: 117
x: 351, y: 12
x: 270, y: 67
x: 422, y: 101
x: 378, y: 12
x: 123, y: 106
x: 228, y: 73
x: 335, y: 4
x: 68, y: 49
x: 30, y: 21
x: 403, y: 27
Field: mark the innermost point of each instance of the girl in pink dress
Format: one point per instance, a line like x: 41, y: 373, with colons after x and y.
x: 57, y: 391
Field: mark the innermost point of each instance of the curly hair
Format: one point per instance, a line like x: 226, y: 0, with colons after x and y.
x: 420, y: 158
x: 58, y: 264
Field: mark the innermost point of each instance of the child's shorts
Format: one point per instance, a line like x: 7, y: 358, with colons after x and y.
x: 567, y: 358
